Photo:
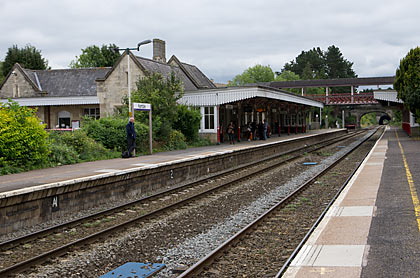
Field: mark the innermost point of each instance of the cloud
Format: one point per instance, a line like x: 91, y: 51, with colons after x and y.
x: 222, y: 38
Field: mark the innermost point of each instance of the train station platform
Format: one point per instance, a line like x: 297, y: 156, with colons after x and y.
x: 35, y: 197
x: 373, y: 228
x: 64, y: 173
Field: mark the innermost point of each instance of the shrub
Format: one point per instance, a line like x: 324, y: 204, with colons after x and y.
x: 62, y: 154
x: 188, y: 122
x: 23, y: 140
x: 111, y: 133
x: 176, y: 141
x: 76, y: 146
x: 200, y: 142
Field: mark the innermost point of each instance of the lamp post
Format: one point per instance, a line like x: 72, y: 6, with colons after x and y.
x: 127, y: 51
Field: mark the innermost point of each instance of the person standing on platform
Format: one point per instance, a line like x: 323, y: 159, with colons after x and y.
x: 254, y: 130
x: 249, y: 131
x: 231, y: 132
x: 131, y: 137
x: 260, y: 131
x: 265, y: 128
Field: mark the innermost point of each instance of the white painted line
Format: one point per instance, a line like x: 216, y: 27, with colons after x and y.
x: 142, y: 164
x: 334, y: 211
x: 374, y: 163
x: 108, y: 174
x: 107, y: 171
x: 298, y: 260
x: 314, y: 256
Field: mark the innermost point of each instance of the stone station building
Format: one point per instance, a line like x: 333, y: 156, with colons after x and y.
x: 64, y: 96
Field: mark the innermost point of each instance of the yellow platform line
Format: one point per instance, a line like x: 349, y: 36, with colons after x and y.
x: 413, y: 190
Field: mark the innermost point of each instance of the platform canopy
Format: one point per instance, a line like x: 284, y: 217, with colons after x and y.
x: 387, y: 95
x: 227, y: 95
x: 49, y: 101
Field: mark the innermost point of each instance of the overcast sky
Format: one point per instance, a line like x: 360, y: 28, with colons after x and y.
x: 222, y: 38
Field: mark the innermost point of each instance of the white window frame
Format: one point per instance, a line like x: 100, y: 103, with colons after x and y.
x: 203, y: 119
x: 63, y: 114
x: 95, y: 115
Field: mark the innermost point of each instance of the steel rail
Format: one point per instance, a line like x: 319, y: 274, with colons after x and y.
x: 218, y: 252
x: 111, y: 230
x: 315, y: 225
x: 29, y: 237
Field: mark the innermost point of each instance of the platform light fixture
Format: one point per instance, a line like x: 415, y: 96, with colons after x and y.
x: 127, y: 51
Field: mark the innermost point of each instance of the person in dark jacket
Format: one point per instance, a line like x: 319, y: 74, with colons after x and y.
x: 231, y: 132
x: 260, y: 131
x: 254, y: 130
x: 131, y: 136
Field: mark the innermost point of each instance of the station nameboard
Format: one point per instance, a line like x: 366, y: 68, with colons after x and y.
x: 142, y: 106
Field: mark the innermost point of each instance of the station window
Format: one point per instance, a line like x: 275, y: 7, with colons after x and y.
x: 91, y: 112
x: 293, y: 119
x: 208, y: 117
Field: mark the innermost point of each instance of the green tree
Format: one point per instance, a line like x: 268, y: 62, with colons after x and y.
x: 255, y: 74
x: 28, y: 57
x: 319, y: 64
x: 188, y: 122
x: 286, y: 75
x: 407, y: 81
x: 308, y: 64
x: 23, y: 140
x: 95, y: 56
x: 368, y: 119
x: 163, y: 95
x: 2, y: 77
x: 336, y: 65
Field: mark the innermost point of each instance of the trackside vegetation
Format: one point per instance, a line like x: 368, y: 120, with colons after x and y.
x: 26, y: 145
x: 23, y: 140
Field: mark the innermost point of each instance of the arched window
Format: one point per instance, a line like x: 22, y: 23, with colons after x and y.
x: 64, y: 119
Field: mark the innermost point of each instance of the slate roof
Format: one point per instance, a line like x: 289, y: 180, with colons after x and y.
x: 198, y: 76
x: 67, y: 82
x: 166, y: 69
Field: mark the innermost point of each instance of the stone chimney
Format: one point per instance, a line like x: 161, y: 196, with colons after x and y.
x: 159, y: 50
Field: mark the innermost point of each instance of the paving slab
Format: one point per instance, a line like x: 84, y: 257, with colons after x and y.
x: 394, y: 236
x: 338, y: 246
x: 346, y: 230
x: 91, y: 169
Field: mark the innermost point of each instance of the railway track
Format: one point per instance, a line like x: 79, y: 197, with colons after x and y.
x: 268, y: 244
x: 25, y: 252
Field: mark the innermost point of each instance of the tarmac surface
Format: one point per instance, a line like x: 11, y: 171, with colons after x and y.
x: 373, y: 228
x: 394, y: 236
x: 13, y: 182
